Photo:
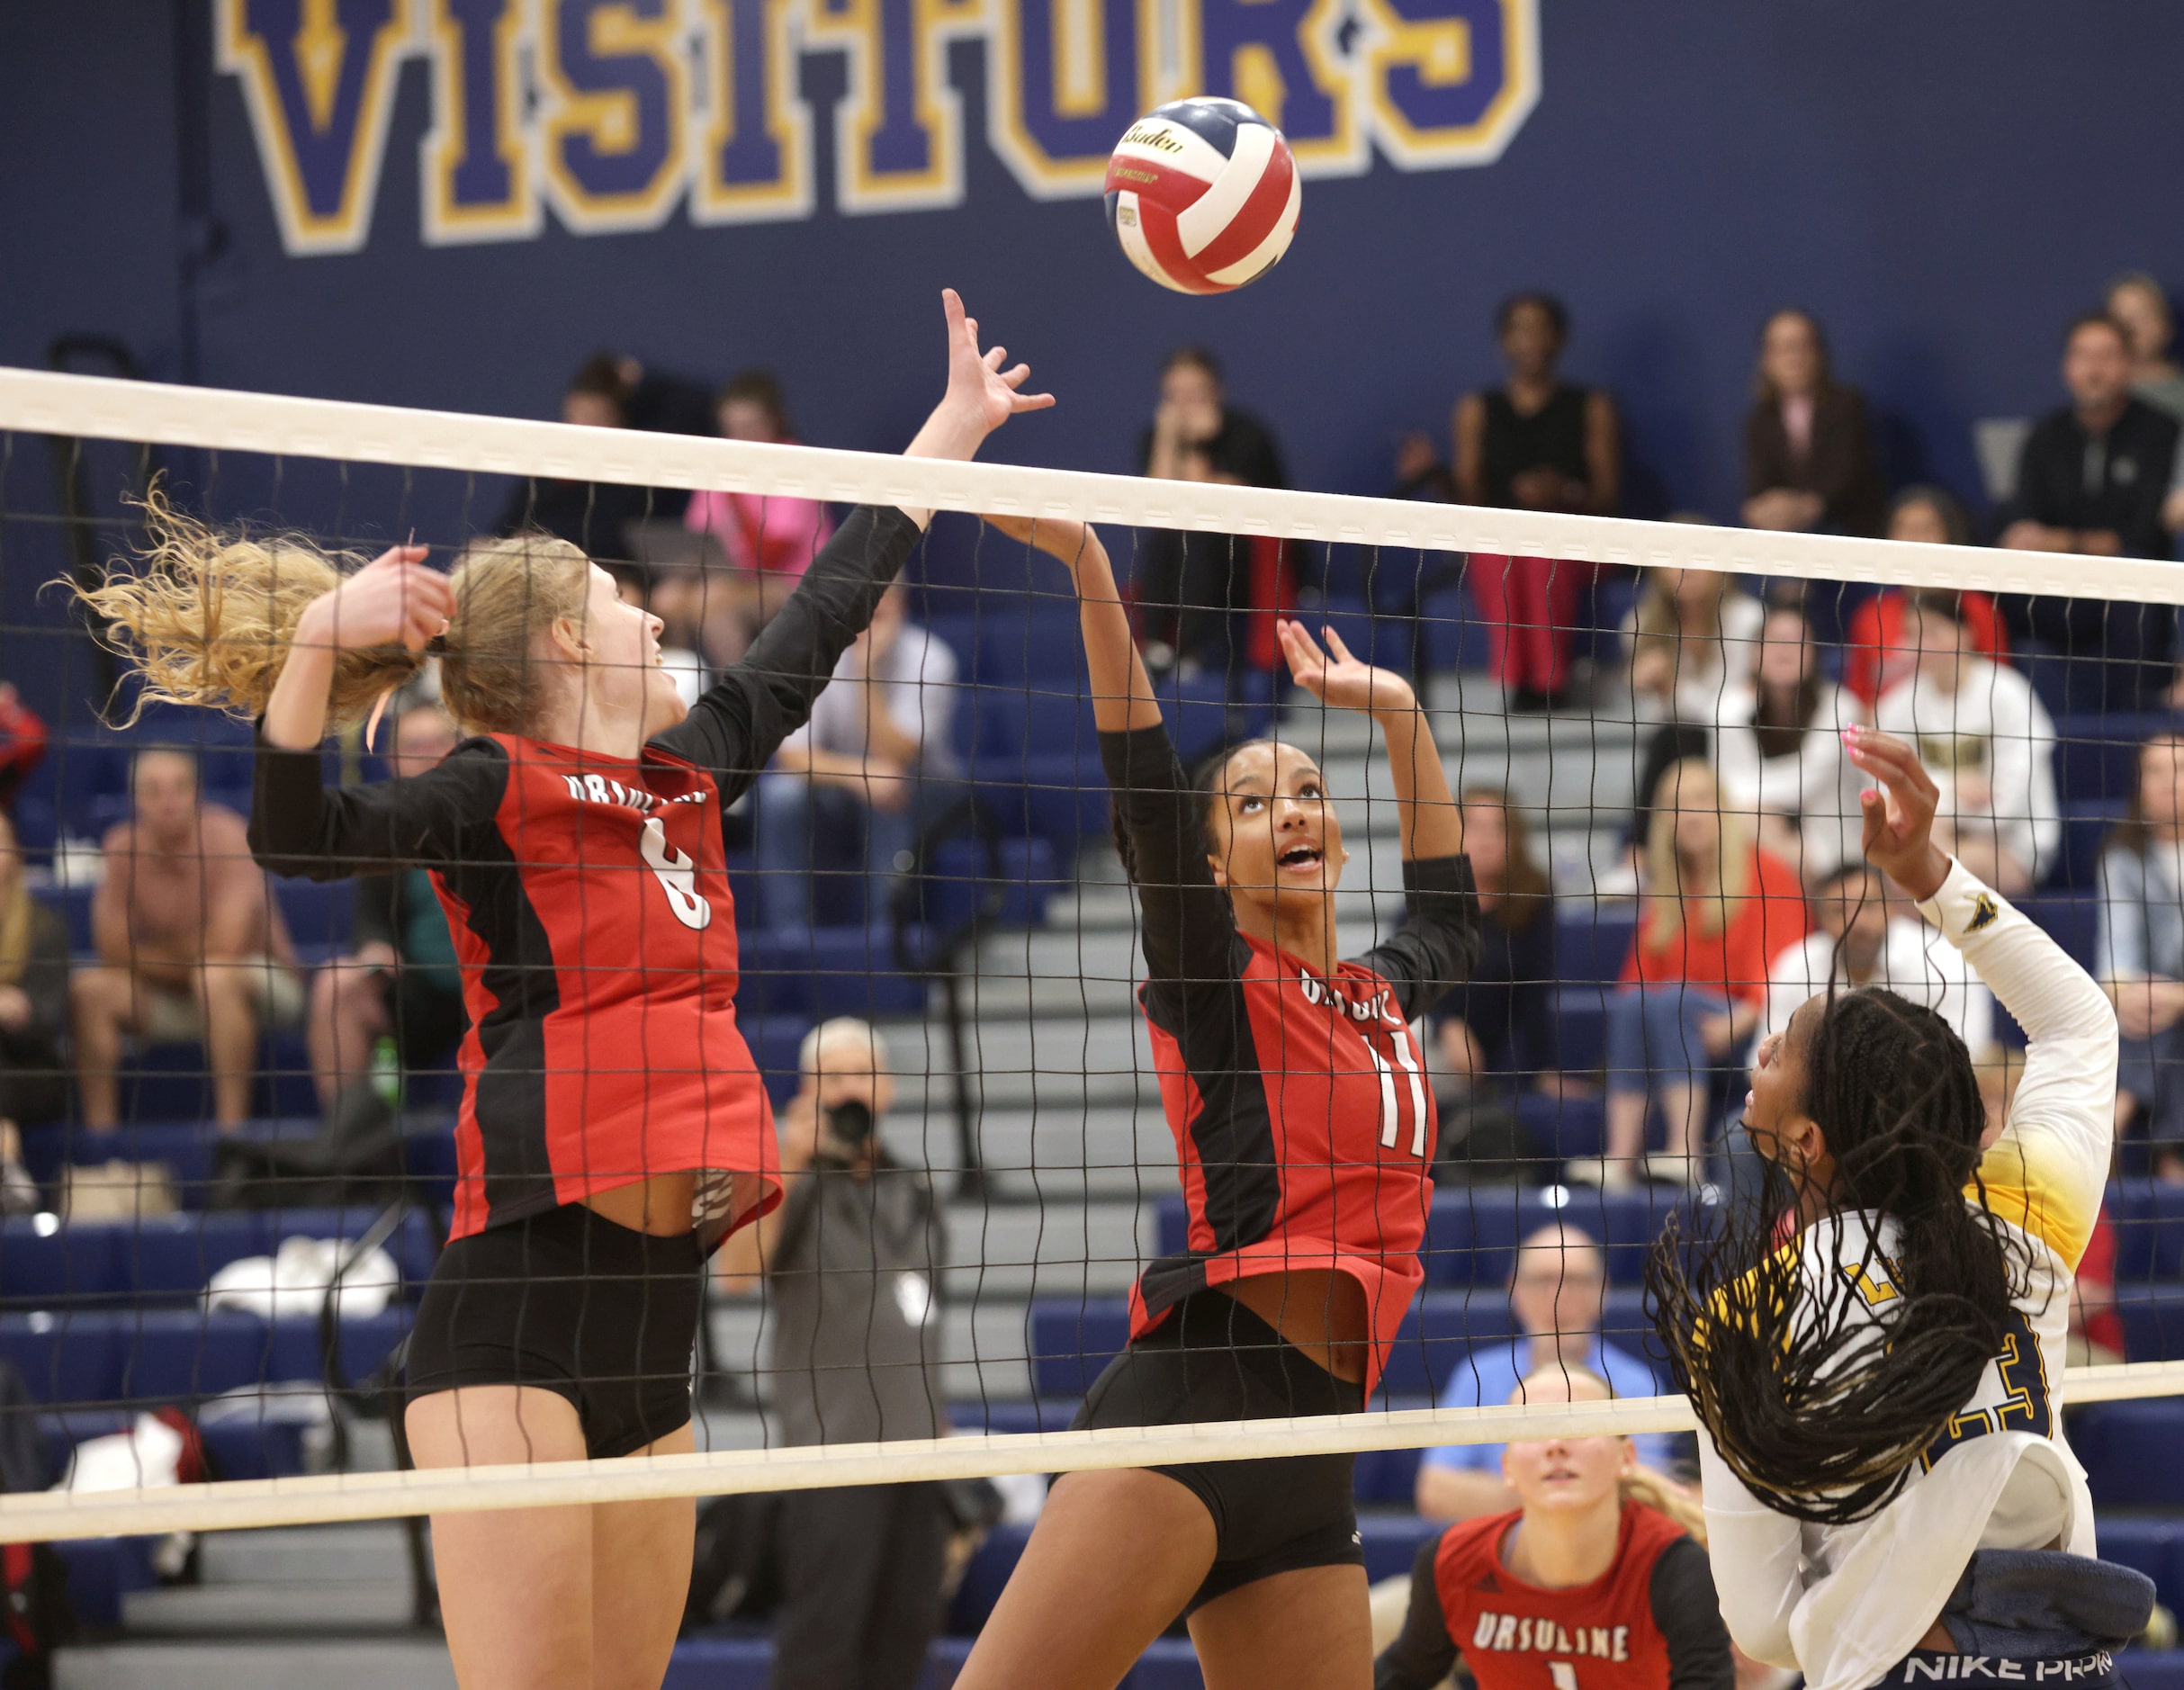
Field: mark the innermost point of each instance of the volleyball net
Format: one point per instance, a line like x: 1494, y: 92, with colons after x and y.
x: 234, y: 1098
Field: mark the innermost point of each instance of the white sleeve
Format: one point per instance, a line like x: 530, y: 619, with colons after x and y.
x: 2047, y: 1170
x: 1758, y: 1561
x: 921, y: 700
x: 1789, y: 985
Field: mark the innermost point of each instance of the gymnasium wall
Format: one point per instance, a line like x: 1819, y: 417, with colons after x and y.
x: 1922, y: 177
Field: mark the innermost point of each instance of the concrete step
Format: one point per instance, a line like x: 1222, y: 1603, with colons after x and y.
x: 984, y: 1343
x: 287, y: 1608
x: 1026, y: 1064
x: 362, y: 1551
x: 417, y: 1662
x: 1048, y: 1155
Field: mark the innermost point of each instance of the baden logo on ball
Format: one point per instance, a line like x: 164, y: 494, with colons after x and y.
x: 1202, y: 195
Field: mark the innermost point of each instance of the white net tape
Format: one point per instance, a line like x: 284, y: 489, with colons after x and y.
x: 79, y: 408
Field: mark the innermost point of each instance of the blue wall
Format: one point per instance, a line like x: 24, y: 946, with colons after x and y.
x: 1943, y: 183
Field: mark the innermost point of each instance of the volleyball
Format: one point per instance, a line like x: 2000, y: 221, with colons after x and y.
x: 1203, y: 195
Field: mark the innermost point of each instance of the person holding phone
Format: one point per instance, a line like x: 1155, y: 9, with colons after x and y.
x: 851, y: 1262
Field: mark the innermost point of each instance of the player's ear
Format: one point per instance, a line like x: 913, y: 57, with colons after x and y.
x: 568, y: 636
x: 1220, y: 868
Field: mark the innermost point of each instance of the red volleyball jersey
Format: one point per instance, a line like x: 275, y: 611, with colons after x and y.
x: 1303, y: 1124
x: 1651, y: 1618
x: 588, y: 901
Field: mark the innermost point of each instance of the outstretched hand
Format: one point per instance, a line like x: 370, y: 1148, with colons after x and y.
x: 1338, y: 678
x: 393, y: 601
x: 1064, y: 539
x: 1899, y: 815
x: 978, y: 389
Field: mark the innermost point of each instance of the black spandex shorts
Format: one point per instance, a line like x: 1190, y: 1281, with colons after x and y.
x: 574, y: 1303
x: 1213, y: 1359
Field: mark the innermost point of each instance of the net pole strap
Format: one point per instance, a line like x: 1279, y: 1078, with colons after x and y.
x: 377, y: 1496
x: 105, y: 408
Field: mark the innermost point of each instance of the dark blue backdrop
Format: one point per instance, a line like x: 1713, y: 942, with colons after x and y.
x: 1943, y: 183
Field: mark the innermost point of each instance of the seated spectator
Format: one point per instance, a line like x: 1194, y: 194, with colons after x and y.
x: 1691, y: 633
x: 2140, y: 309
x: 2140, y: 954
x: 851, y: 788
x: 34, y: 1015
x: 1809, y: 461
x: 2092, y: 479
x: 1987, y: 740
x: 401, y: 983
x: 1716, y: 911
x: 1535, y: 443
x: 767, y: 540
x: 594, y: 516
x: 1778, y: 749
x: 1191, y: 588
x: 852, y: 1258
x: 1557, y: 1292
x: 1858, y: 942
x: 191, y: 944
x: 1877, y: 651
x: 23, y: 744
x: 1502, y: 1016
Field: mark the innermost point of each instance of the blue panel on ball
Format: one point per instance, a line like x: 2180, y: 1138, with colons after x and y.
x: 1214, y: 119
x: 1113, y: 194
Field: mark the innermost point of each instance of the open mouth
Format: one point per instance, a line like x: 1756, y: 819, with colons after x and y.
x: 1299, y: 858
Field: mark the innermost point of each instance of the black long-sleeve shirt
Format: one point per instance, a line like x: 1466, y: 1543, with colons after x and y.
x: 2069, y: 477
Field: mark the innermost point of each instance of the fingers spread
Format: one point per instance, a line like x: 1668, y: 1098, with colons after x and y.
x: 994, y: 355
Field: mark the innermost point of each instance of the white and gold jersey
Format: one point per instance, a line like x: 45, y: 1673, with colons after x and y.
x: 1845, y: 1603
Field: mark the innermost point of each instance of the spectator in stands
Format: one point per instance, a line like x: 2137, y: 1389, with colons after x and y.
x: 2140, y: 953
x: 1503, y: 1018
x: 1716, y: 911
x: 1557, y: 1292
x: 1809, y: 460
x: 767, y: 540
x: 23, y: 744
x: 1858, y: 942
x: 1691, y: 633
x: 190, y: 945
x: 1191, y: 586
x: 2140, y: 309
x: 850, y: 789
x: 595, y: 516
x: 1878, y: 653
x: 676, y: 594
x: 851, y: 1259
x: 1535, y: 443
x: 34, y: 1015
x: 1779, y: 750
x: 1987, y: 740
x: 401, y: 983
x: 2092, y: 479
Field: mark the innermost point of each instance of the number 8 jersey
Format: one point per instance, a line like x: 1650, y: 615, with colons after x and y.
x: 1304, y: 1122
x: 587, y: 897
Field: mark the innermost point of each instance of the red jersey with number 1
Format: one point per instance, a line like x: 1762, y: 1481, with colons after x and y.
x: 1303, y: 1122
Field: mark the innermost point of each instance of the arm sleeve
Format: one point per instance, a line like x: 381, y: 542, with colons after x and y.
x: 375, y: 921
x: 1438, y: 943
x: 1190, y: 926
x: 1688, y: 1616
x: 1423, y: 1653
x: 1755, y: 1560
x: 2047, y: 1170
x: 300, y: 826
x: 735, y: 730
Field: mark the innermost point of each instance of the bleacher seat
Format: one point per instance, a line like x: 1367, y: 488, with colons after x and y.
x: 163, y: 1356
x: 187, y: 1149
x: 2129, y: 1450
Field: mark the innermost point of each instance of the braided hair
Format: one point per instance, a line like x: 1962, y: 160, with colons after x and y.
x: 1824, y: 1385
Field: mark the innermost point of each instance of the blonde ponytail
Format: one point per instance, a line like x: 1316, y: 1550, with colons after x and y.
x: 207, y: 619
x: 1662, y: 1493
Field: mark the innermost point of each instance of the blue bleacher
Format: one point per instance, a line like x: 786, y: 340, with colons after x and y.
x: 188, y: 1149
x: 167, y: 1355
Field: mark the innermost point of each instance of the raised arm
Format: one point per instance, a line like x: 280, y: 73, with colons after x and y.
x: 739, y: 724
x: 1438, y: 944
x: 1423, y: 1654
x: 2047, y: 1170
x: 1188, y: 923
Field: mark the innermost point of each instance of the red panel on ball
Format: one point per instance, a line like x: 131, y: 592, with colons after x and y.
x: 1158, y: 222
x: 1256, y: 219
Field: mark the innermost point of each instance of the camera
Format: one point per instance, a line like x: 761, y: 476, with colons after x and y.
x: 850, y: 1125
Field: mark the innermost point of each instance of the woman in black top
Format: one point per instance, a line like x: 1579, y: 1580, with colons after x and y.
x: 1294, y: 1085
x: 1535, y: 443
x: 1502, y: 1018
x: 1808, y: 462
